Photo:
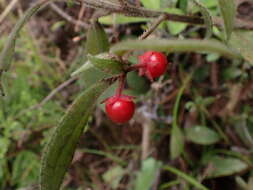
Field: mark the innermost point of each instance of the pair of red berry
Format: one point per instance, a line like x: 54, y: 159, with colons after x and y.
x: 120, y: 108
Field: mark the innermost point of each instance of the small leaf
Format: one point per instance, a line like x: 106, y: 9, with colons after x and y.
x: 151, y: 4
x: 228, y: 11
x: 97, y: 40
x: 225, y: 166
x: 103, y: 63
x: 177, y: 137
x: 207, y: 17
x: 113, y: 176
x: 146, y: 177
x: 202, y: 135
x: 186, y: 45
x: 176, y: 143
x: 60, y: 149
x: 137, y: 83
x: 243, y: 42
x: 121, y: 19
x: 175, y: 27
x: 183, y: 5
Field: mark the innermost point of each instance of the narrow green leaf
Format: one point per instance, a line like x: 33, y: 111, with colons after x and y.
x: 60, y: 149
x: 176, y: 45
x: 207, y: 17
x: 186, y: 177
x: 243, y: 42
x: 177, y: 137
x: 97, y: 41
x: 9, y: 47
x: 106, y: 64
x: 146, y: 176
x: 225, y: 166
x: 228, y: 11
x: 121, y: 19
x: 202, y: 135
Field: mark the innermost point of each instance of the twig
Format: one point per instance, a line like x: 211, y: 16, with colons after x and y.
x: 80, y: 16
x: 154, y: 25
x: 8, y: 9
x: 68, y: 17
x: 146, y: 132
x: 55, y: 91
x: 139, y: 11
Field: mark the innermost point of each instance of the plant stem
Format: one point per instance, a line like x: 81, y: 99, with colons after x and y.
x: 120, y: 88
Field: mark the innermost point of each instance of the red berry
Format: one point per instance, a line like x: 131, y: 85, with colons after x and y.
x: 152, y: 64
x: 120, y: 109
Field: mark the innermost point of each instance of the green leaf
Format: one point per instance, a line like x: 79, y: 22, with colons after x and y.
x: 60, y: 149
x: 137, y: 83
x: 243, y: 42
x: 151, y: 4
x: 97, y: 40
x: 202, y: 135
x: 9, y: 47
x: 183, y: 5
x: 175, y: 27
x: 186, y: 177
x: 176, y: 143
x: 92, y: 76
x: 121, y: 19
x: 106, y: 64
x: 207, y: 17
x: 25, y: 169
x: 228, y: 12
x: 225, y: 166
x: 146, y: 176
x: 113, y: 176
x: 177, y: 45
x: 86, y: 66
x: 177, y: 137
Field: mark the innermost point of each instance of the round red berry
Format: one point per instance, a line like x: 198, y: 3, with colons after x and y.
x: 152, y: 64
x: 120, y: 109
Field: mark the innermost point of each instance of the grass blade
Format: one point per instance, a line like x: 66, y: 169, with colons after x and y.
x: 186, y: 177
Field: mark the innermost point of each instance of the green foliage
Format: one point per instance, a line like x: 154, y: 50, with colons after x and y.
x: 175, y: 27
x: 186, y: 177
x: 8, y: 50
x: 25, y: 169
x: 239, y: 40
x: 146, y: 176
x: 30, y: 80
x: 60, y: 149
x: 202, y: 135
x: 207, y: 17
x: 177, y: 137
x: 106, y: 64
x: 151, y: 4
x: 187, y: 45
x: 113, y: 176
x: 97, y: 41
x: 225, y: 166
x: 228, y: 12
x: 138, y: 84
